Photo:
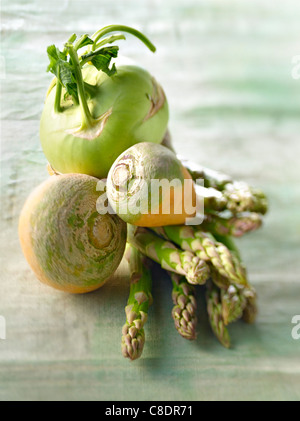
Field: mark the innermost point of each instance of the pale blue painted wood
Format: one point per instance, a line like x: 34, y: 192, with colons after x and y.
x: 226, y: 69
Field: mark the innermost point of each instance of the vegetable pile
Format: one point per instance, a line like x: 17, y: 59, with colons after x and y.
x: 104, y: 132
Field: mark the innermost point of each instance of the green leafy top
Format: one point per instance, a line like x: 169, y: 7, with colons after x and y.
x: 62, y: 66
x: 66, y: 65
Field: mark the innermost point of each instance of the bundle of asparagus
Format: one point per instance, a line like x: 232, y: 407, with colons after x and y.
x: 204, y: 254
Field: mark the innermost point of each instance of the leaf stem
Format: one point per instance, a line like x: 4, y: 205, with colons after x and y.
x: 57, y: 106
x: 79, y: 41
x: 109, y: 40
x: 111, y: 28
x: 85, y: 58
x: 87, y: 119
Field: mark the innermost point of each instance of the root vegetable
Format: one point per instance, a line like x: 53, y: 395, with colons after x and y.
x: 94, y: 111
x: 67, y: 243
x: 148, y: 186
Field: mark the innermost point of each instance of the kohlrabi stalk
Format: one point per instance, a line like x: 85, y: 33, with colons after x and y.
x: 57, y: 106
x: 87, y: 120
x: 107, y: 40
x: 112, y: 28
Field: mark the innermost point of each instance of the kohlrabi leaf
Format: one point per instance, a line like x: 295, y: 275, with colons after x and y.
x: 83, y: 41
x: 53, y: 58
x: 101, y: 59
x: 63, y: 70
x: 68, y: 72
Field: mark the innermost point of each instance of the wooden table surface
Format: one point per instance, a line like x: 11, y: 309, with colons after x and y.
x: 234, y: 106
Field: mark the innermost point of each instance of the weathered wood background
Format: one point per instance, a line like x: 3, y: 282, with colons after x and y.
x: 234, y: 106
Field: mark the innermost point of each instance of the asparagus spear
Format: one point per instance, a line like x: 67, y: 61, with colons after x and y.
x: 168, y: 255
x: 228, y: 241
x: 212, y: 178
x: 204, y: 245
x: 221, y: 281
x: 227, y: 272
x: 241, y: 197
x: 233, y: 299
x: 133, y: 335
x: 184, y: 310
x: 250, y: 310
x: 235, y: 225
x: 233, y: 302
x: 213, y: 199
x: 249, y: 294
x: 237, y: 196
x: 215, y: 314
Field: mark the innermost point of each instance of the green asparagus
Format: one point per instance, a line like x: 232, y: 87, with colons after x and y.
x: 215, y: 314
x: 233, y: 302
x: 213, y: 200
x: 240, y: 198
x: 184, y: 310
x: 133, y: 335
x: 249, y: 294
x: 236, y: 301
x: 236, y: 196
x: 233, y: 299
x: 235, y: 225
x: 228, y: 241
x: 203, y: 244
x: 212, y: 178
x: 250, y: 310
x: 170, y: 257
x: 223, y: 282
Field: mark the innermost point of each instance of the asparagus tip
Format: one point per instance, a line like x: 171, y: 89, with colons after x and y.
x: 133, y: 341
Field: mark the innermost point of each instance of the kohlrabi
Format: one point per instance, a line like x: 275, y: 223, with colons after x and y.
x: 94, y: 110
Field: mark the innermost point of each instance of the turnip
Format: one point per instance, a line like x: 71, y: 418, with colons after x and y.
x: 148, y: 186
x: 95, y: 110
x: 67, y: 243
